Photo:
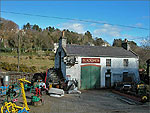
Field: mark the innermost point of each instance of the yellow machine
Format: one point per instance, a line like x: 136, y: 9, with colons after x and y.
x: 14, y: 108
x: 23, y: 92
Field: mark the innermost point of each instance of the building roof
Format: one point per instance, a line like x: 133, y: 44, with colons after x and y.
x: 96, y: 51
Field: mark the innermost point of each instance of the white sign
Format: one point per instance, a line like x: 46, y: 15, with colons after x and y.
x: 6, y: 78
x: 108, y: 75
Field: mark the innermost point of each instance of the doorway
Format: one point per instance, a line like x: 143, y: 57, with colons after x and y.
x: 108, y: 79
x: 1, y: 82
x: 90, y: 77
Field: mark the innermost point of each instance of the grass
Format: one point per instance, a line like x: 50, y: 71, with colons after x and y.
x: 42, y: 63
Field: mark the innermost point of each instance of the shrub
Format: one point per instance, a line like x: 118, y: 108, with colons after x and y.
x: 13, y: 67
x: 30, y: 57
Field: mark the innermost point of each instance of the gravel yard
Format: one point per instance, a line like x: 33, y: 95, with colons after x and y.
x: 90, y: 101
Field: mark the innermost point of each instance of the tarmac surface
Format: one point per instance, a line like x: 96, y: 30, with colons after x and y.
x: 90, y: 101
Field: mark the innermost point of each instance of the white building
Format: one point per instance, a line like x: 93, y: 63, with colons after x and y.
x: 95, y: 66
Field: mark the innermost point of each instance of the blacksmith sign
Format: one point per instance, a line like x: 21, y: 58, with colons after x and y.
x: 90, y: 60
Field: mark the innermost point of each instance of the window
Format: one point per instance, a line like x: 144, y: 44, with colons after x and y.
x: 125, y: 62
x: 108, y: 62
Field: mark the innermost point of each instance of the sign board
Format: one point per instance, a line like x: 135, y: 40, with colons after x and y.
x: 108, y: 75
x: 90, y: 60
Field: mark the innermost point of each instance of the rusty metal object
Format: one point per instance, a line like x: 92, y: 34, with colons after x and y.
x: 126, y: 95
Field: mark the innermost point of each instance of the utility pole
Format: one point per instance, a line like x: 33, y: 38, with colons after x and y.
x: 18, y: 52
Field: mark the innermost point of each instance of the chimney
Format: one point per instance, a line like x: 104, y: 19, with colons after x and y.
x: 62, y: 40
x: 63, y: 34
x: 125, y: 44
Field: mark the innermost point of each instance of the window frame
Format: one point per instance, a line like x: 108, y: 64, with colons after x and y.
x: 125, y: 62
x: 108, y: 62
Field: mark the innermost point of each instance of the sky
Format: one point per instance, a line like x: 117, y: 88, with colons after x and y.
x: 107, y: 16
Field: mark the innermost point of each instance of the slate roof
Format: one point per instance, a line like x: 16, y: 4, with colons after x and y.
x: 96, y: 51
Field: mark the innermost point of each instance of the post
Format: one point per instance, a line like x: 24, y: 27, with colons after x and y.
x: 18, y: 52
x: 148, y: 66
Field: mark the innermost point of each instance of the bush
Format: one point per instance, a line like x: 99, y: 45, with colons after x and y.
x: 52, y: 58
x: 33, y: 69
x: 30, y: 57
x: 47, y: 53
x: 44, y: 67
x: 13, y: 67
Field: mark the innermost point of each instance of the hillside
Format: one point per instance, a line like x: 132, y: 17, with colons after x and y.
x: 33, y: 39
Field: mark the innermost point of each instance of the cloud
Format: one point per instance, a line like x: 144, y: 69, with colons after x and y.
x: 145, y: 17
x: 96, y: 24
x: 131, y: 37
x: 107, y: 30
x: 93, y: 24
x: 76, y: 27
x: 138, y: 25
x: 127, y: 36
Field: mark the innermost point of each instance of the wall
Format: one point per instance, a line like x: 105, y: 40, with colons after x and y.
x: 55, y: 47
x: 75, y: 71
x: 116, y: 68
x: 12, y: 77
x: 63, y: 65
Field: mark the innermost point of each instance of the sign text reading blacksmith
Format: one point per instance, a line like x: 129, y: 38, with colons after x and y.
x: 90, y: 60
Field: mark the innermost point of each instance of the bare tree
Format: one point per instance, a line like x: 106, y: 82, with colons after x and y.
x: 146, y: 42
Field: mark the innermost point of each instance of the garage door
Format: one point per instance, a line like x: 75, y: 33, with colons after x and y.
x: 90, y: 77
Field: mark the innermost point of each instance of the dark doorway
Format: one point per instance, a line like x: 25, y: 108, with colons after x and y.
x: 1, y: 82
x: 108, y: 79
x: 125, y: 76
x: 60, y: 60
x: 59, y: 69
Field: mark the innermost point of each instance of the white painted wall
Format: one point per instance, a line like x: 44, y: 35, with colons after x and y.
x: 117, y: 67
x: 56, y: 45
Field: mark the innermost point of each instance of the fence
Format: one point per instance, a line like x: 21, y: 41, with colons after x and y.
x: 7, y: 78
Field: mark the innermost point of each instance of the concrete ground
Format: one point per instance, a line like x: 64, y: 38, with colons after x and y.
x: 90, y: 101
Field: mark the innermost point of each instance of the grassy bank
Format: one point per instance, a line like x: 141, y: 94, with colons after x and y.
x: 40, y: 61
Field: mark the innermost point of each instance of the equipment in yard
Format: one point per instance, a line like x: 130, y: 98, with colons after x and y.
x: 13, y: 92
x: 39, y: 87
x: 23, y: 92
x: 52, y: 77
x: 36, y: 101
x: 139, y: 90
x: 10, y: 107
x: 72, y: 87
x: 3, y: 90
x: 55, y: 92
x: 129, y: 87
x: 142, y: 92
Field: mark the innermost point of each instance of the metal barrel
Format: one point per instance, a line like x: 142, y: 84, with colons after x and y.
x: 6, y: 80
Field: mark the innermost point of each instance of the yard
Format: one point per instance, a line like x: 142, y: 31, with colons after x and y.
x: 90, y: 101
